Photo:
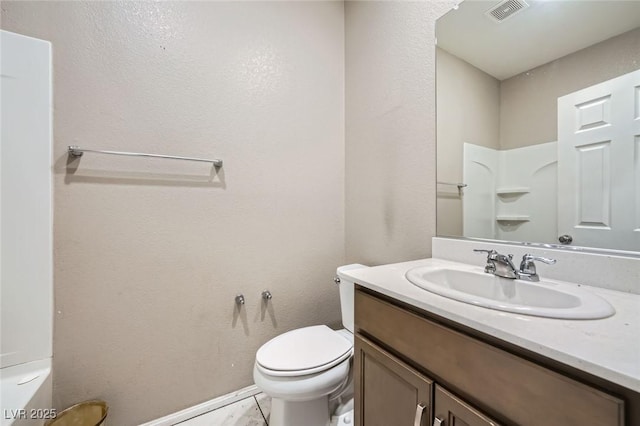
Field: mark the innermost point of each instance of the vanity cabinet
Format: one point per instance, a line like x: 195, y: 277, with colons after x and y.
x: 390, y: 392
x: 406, y: 357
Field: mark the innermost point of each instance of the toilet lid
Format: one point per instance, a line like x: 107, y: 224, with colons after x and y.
x: 304, y: 349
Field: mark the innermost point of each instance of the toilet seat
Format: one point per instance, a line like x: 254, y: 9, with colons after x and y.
x: 303, y: 351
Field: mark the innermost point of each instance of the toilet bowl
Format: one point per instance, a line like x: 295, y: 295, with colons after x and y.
x: 305, y: 371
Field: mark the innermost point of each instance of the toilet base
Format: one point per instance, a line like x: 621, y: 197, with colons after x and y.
x: 345, y: 419
x: 296, y: 413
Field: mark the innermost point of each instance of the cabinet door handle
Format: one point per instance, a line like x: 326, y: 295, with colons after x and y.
x: 438, y: 422
x: 419, y: 413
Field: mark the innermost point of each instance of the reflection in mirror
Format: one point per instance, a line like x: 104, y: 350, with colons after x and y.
x: 538, y: 108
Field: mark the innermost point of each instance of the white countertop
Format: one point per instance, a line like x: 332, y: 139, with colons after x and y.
x: 608, y: 348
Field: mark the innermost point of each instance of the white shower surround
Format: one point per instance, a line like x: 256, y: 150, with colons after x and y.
x: 26, y: 255
x: 512, y: 192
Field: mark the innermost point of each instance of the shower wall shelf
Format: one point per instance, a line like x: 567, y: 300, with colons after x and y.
x: 513, y: 218
x: 76, y: 151
x: 513, y: 190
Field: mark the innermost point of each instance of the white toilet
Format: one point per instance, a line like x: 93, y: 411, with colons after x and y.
x: 307, y: 371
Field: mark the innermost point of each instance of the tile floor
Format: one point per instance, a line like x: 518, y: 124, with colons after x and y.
x: 251, y: 411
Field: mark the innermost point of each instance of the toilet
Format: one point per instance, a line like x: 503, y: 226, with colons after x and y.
x: 307, y: 371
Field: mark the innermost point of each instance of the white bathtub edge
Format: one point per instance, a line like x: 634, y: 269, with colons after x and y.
x: 33, y: 395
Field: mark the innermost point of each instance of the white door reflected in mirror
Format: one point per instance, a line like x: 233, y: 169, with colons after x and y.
x: 598, y: 164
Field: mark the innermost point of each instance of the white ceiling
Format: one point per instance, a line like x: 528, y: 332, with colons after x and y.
x: 547, y: 30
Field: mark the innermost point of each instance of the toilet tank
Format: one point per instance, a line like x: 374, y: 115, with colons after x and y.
x: 347, y: 290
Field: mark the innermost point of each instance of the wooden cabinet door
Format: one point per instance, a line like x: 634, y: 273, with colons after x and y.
x: 388, y: 392
x: 450, y: 410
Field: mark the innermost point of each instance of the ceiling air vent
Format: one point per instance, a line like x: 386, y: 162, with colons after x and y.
x: 506, y: 9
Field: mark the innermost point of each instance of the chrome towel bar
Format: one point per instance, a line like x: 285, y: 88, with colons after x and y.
x: 459, y: 185
x: 76, y: 151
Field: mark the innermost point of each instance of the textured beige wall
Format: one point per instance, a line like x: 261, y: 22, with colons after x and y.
x: 529, y: 109
x: 149, y: 254
x: 468, y: 111
x: 390, y: 129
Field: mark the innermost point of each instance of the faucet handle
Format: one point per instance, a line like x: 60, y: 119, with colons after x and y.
x: 489, y: 252
x: 490, y: 267
x: 531, y: 258
x: 528, y: 268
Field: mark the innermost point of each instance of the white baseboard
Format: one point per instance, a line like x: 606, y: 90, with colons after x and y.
x: 204, y: 407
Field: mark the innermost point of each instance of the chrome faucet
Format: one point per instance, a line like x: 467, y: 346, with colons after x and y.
x: 499, y: 264
x: 502, y: 266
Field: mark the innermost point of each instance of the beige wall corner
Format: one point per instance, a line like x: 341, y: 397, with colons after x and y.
x: 390, y: 129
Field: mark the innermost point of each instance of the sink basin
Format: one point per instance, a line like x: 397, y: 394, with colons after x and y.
x: 547, y: 298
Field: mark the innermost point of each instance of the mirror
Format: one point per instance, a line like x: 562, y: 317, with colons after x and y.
x: 538, y: 122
